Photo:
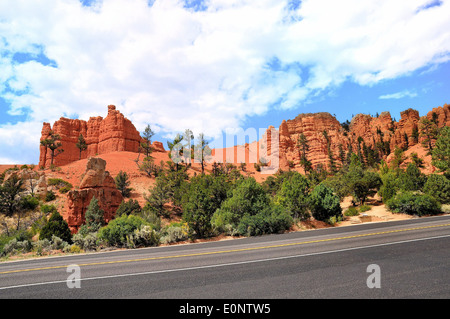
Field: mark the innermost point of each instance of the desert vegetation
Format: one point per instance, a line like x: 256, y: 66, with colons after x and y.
x: 227, y: 201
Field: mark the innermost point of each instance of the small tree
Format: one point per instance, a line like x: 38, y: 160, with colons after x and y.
x: 94, y: 218
x: 293, y: 195
x: 303, y: 147
x: 122, y: 183
x: 441, y: 152
x: 52, y: 142
x: 324, y: 204
x: 146, y: 144
x: 81, y: 144
x: 176, y: 149
x: 429, y: 132
x: 438, y: 186
x: 202, y: 151
x: 56, y: 226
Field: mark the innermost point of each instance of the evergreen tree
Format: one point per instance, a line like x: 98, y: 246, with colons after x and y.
x: 302, y: 145
x: 429, y: 132
x: 58, y: 227
x: 293, y: 196
x: 146, y: 144
x: 81, y: 144
x: 94, y: 218
x: 122, y: 183
x: 176, y: 149
x: 202, y: 151
x: 324, y: 204
x: 441, y: 152
x: 52, y: 142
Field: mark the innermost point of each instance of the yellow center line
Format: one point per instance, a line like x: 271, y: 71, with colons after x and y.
x: 228, y: 251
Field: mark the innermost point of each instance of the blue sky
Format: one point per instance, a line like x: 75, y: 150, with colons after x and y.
x: 214, y: 65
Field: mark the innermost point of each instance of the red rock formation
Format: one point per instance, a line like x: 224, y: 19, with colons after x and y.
x: 312, y: 126
x: 381, y: 133
x: 404, y: 130
x: 158, y: 146
x: 102, y: 135
x: 442, y: 115
x: 96, y: 182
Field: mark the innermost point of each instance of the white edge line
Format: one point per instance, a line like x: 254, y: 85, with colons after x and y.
x: 224, y: 265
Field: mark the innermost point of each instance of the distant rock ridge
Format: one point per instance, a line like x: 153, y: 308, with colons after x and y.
x: 380, y: 131
x: 117, y: 133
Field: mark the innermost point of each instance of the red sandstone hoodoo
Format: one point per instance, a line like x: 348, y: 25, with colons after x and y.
x: 103, y: 135
x: 97, y: 182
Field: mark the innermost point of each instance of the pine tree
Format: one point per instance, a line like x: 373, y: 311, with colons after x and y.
x: 81, y: 144
x: 94, y: 218
x: 302, y: 144
x: 146, y: 144
x: 122, y: 183
x: 202, y: 151
x: 53, y: 143
x: 429, y: 132
x: 441, y: 152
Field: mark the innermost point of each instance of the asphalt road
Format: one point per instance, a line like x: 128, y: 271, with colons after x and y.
x: 411, y: 260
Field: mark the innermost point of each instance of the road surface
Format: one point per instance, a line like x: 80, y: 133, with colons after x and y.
x: 402, y: 259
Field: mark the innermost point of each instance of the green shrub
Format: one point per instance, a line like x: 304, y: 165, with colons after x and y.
x: 87, y: 242
x: 50, y: 196
x: 116, y: 232
x: 56, y: 226
x: 269, y: 221
x: 389, y: 186
x: 175, y: 232
x: 438, y: 186
x: 94, y: 218
x: 323, y: 203
x: 47, y: 209
x: 412, y: 203
x: 293, y: 195
x: 62, y: 185
x: 351, y: 211
x: 445, y: 208
x: 19, y: 240
x: 144, y: 237
x: 247, y: 198
x: 128, y: 208
x: 42, y: 246
x: 29, y: 202
x: 65, y: 189
x: 364, y: 208
x: 14, y: 247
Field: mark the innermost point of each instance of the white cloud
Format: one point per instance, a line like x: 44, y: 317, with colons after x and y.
x: 176, y: 68
x: 398, y: 95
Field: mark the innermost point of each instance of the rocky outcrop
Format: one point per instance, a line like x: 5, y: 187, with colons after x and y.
x: 442, y: 115
x: 380, y: 133
x: 102, y: 135
x: 406, y: 130
x: 97, y: 182
x: 34, y: 183
x: 312, y: 126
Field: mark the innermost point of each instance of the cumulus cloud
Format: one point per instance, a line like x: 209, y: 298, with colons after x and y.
x: 205, y: 65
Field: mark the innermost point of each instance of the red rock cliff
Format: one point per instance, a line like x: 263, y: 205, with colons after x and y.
x: 102, y: 135
x: 380, y: 132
